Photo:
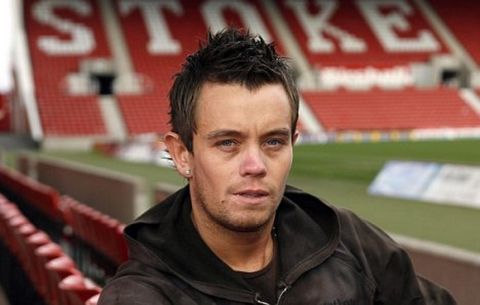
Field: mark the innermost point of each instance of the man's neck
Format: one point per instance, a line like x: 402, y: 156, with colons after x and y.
x: 241, y: 251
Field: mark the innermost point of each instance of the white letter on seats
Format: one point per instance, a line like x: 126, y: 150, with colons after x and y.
x: 315, y: 25
x: 384, y: 27
x: 82, y: 40
x: 212, y: 13
x: 161, y: 42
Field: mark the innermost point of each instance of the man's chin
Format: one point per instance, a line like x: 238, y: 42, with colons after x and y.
x: 249, y: 225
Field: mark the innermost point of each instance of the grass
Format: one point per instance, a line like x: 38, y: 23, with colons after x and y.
x: 341, y: 174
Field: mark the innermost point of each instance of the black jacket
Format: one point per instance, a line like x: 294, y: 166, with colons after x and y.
x: 328, y: 256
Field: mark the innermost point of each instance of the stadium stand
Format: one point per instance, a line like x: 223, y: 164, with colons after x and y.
x: 372, y: 110
x: 102, y: 232
x: 60, y: 36
x: 348, y: 45
x: 53, y: 213
x: 39, y: 202
x: 361, y: 34
x: 148, y: 112
x: 463, y: 23
x: 67, y: 266
x: 37, y: 263
x: 159, y: 39
x: 345, y: 45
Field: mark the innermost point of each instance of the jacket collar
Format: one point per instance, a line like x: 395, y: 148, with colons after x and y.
x: 165, y: 238
x: 308, y: 233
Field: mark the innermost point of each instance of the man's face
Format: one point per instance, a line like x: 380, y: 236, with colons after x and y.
x: 242, y: 154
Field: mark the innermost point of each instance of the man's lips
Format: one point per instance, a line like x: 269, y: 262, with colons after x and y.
x: 251, y: 196
x: 252, y: 193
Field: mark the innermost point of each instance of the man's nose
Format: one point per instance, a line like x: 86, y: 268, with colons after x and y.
x: 253, y: 163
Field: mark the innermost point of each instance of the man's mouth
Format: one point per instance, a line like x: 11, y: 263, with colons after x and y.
x: 252, y: 195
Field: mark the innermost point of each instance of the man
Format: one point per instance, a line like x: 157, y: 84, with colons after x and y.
x: 236, y: 234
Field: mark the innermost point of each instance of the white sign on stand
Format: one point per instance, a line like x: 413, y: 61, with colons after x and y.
x: 404, y: 179
x: 440, y: 183
x: 455, y: 184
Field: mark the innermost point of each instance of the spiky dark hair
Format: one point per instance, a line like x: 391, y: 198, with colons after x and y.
x: 231, y: 56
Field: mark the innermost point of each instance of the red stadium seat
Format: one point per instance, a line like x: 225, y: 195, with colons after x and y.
x: 57, y: 269
x: 41, y: 256
x: 38, y: 195
x: 7, y: 211
x: 122, y: 249
x: 93, y: 300
x: 13, y: 240
x: 76, y: 289
x: 24, y: 256
x: 100, y: 231
x: 38, y: 276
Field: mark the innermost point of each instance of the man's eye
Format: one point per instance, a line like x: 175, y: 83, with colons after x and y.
x: 275, y: 142
x: 226, y: 143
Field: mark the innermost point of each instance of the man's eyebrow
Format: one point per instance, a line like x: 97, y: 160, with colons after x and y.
x: 278, y: 132
x: 223, y: 133
x: 285, y: 132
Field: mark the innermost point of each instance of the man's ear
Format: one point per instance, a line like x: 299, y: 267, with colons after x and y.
x: 179, y: 153
x: 295, y: 137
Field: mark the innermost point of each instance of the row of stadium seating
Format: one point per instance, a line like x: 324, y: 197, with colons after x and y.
x: 101, y: 231
x: 42, y: 201
x: 42, y: 197
x: 413, y: 108
x: 54, y: 275
x: 57, y: 240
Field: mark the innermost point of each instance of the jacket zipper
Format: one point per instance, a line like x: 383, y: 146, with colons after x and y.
x: 285, y: 288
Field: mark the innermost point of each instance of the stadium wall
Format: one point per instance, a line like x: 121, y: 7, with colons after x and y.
x: 163, y: 190
x: 116, y: 194
x: 455, y: 269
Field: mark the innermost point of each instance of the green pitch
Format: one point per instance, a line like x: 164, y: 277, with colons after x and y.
x: 341, y: 173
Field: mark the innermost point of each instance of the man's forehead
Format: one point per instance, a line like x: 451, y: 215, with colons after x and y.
x: 236, y: 97
x: 230, y: 108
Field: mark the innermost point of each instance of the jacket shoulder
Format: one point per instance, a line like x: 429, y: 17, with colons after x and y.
x: 139, y: 284
x: 388, y: 263
x: 360, y: 233
x: 128, y: 290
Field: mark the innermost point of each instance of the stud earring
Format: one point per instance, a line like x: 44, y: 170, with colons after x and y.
x: 188, y: 172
